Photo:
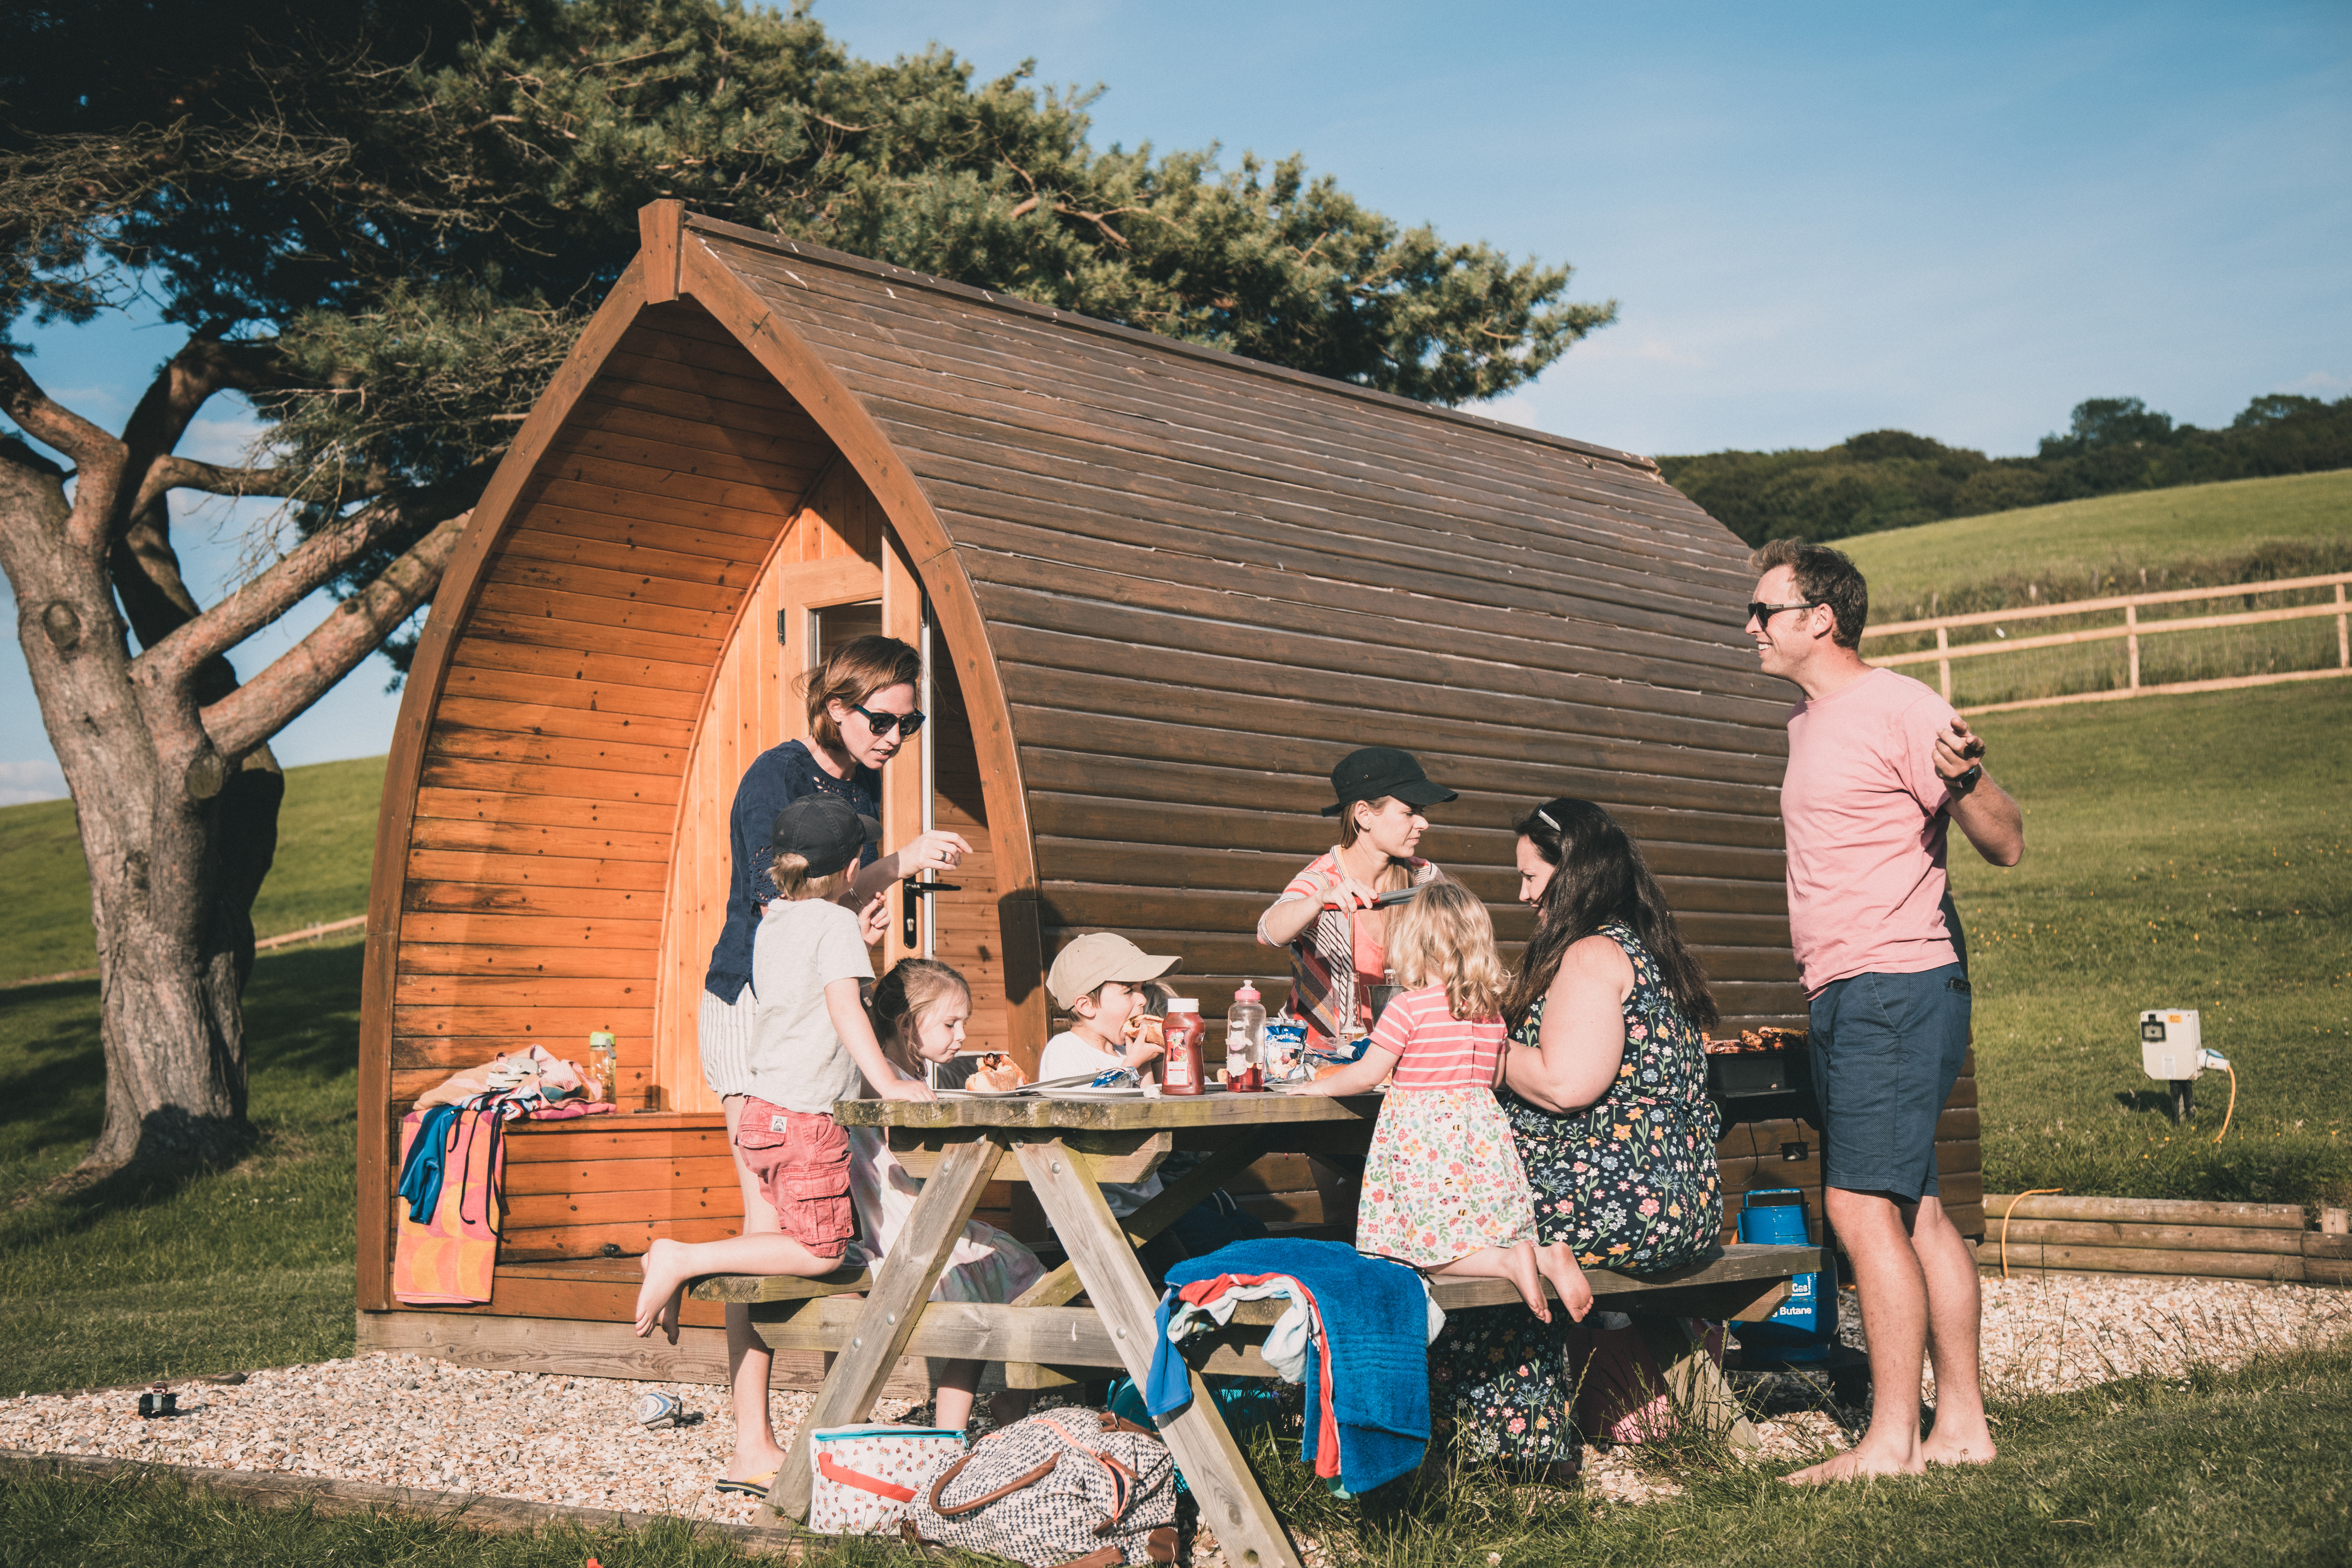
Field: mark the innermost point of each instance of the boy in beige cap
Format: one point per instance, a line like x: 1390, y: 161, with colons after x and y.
x: 1098, y: 979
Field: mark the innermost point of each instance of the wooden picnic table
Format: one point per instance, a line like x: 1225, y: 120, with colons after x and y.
x: 1065, y: 1149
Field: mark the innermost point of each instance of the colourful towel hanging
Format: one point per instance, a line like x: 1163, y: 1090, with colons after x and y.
x: 449, y: 1260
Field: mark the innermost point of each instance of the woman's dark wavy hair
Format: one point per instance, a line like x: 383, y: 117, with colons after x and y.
x: 1599, y: 877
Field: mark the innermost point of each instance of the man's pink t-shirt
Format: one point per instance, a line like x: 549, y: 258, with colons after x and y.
x: 1866, y: 813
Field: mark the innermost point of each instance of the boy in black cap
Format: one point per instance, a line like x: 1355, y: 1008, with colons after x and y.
x: 811, y: 1043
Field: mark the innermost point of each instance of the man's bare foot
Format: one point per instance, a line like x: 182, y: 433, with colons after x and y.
x: 1520, y: 1268
x: 1960, y: 1450
x: 1855, y: 1464
x: 659, y: 1298
x: 1556, y: 1263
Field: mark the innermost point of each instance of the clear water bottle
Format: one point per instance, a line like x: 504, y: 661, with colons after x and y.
x: 1246, y: 1039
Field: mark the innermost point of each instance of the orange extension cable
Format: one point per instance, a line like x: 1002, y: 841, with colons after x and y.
x: 2011, y: 1209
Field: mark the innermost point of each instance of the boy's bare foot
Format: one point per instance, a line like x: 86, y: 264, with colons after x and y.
x: 1556, y: 1263
x: 659, y: 1298
x: 1854, y: 1465
x: 754, y: 1464
x: 1520, y: 1268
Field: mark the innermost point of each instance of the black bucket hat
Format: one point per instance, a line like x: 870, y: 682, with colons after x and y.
x: 1378, y: 771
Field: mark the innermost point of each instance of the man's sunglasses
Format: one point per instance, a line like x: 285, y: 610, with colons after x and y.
x: 885, y: 723
x: 1759, y: 612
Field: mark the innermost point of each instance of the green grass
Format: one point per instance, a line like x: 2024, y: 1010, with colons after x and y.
x: 2181, y: 852
x: 2076, y: 548
x: 2238, y: 1469
x: 326, y: 836
x: 247, y: 1268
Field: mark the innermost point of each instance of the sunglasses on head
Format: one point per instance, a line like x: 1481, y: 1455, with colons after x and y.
x: 885, y: 723
x: 1759, y: 612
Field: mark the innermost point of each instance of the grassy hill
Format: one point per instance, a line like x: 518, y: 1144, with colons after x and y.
x: 326, y: 836
x: 2298, y: 525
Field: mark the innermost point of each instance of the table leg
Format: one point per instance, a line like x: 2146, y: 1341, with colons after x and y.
x: 1696, y: 1385
x: 887, y: 1318
x: 1231, y: 1502
x: 1057, y: 1287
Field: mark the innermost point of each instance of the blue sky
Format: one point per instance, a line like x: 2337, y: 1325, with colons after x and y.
x: 1816, y: 219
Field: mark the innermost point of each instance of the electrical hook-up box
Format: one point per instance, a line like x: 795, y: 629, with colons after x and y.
x: 2172, y: 1051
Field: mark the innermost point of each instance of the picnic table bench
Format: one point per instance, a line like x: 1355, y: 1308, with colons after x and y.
x: 1063, y: 1149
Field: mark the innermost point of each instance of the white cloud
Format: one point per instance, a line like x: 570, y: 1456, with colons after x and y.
x: 21, y: 784
x: 2319, y: 384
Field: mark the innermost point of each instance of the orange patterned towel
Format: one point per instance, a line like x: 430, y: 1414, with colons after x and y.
x: 449, y: 1261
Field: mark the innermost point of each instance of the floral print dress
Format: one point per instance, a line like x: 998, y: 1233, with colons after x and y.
x: 1631, y: 1182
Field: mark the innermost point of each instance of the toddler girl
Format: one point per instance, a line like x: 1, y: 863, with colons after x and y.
x: 1443, y: 1189
x: 919, y: 1010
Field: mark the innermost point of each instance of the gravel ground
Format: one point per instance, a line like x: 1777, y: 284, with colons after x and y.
x: 405, y: 1420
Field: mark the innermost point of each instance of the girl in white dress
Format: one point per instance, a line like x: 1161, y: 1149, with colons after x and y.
x: 920, y: 1009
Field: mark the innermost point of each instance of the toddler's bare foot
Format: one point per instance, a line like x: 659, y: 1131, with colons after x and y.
x: 1520, y: 1268
x: 657, y: 1300
x: 1556, y: 1263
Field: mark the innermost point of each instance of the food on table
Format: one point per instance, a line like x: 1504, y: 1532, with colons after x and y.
x: 1767, y: 1038
x: 997, y: 1071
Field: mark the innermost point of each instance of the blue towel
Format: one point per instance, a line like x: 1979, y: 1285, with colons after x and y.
x: 1377, y: 1316
x: 428, y: 1155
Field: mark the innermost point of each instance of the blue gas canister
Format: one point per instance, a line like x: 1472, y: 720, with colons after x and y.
x: 1804, y: 1326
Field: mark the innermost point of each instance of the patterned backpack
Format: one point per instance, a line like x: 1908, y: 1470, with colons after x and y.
x: 1065, y: 1487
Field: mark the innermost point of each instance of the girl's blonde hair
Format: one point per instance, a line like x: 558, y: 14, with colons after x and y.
x: 790, y: 874
x: 904, y: 997
x: 1445, y: 936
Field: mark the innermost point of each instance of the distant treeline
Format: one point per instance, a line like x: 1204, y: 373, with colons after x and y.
x: 1891, y: 479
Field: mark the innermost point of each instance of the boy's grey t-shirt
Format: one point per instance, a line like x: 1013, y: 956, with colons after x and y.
x: 801, y: 947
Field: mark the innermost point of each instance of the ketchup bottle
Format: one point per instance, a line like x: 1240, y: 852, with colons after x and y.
x: 1181, y: 1064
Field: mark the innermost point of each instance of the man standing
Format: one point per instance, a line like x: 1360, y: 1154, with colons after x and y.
x: 1878, y: 766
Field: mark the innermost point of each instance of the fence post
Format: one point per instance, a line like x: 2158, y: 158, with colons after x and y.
x: 2131, y: 643
x: 2343, y: 633
x: 1944, y: 643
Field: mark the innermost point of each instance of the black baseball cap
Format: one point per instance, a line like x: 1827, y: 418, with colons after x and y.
x: 824, y: 832
x: 1378, y: 771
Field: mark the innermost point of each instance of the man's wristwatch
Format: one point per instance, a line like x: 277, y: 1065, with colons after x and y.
x: 1967, y: 781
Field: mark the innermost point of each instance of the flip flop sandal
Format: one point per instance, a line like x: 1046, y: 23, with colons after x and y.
x: 751, y: 1489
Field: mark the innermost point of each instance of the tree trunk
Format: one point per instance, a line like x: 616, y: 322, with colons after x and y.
x: 176, y: 843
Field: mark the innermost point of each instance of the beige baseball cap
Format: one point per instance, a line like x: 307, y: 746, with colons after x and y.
x: 1098, y: 957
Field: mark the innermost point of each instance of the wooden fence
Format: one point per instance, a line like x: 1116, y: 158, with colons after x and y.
x: 2034, y: 1234
x: 2131, y: 630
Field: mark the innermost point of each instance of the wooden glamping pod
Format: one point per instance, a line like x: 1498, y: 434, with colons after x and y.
x: 1162, y: 590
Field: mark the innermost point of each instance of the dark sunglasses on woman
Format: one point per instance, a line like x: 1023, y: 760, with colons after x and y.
x: 885, y: 724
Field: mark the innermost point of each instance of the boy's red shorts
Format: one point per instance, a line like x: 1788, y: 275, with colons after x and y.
x: 803, y: 1163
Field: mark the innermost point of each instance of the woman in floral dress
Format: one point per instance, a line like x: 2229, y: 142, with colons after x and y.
x: 1606, y: 1097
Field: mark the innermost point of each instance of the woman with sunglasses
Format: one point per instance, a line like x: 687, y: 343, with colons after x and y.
x: 861, y: 709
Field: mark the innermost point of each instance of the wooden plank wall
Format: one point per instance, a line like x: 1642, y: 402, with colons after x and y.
x: 750, y: 707
x: 538, y: 864
x: 1204, y: 582
x: 968, y: 934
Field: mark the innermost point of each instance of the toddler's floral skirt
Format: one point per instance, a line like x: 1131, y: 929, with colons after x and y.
x: 1443, y: 1180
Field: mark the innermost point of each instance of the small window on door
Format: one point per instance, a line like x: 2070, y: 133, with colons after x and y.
x: 837, y: 624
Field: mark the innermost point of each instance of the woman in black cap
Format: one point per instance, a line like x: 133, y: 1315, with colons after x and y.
x: 1338, y: 956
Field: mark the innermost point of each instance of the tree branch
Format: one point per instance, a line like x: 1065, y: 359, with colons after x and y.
x: 300, y: 571
x: 99, y: 459
x: 268, y: 702
x: 172, y: 473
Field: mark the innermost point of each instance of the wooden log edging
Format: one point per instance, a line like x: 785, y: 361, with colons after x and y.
x: 471, y: 1511
x: 2154, y: 1235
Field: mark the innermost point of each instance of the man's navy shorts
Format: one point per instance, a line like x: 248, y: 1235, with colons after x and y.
x: 1886, y: 1049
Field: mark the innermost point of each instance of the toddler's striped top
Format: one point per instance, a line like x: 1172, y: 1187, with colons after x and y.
x: 1435, y: 1050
